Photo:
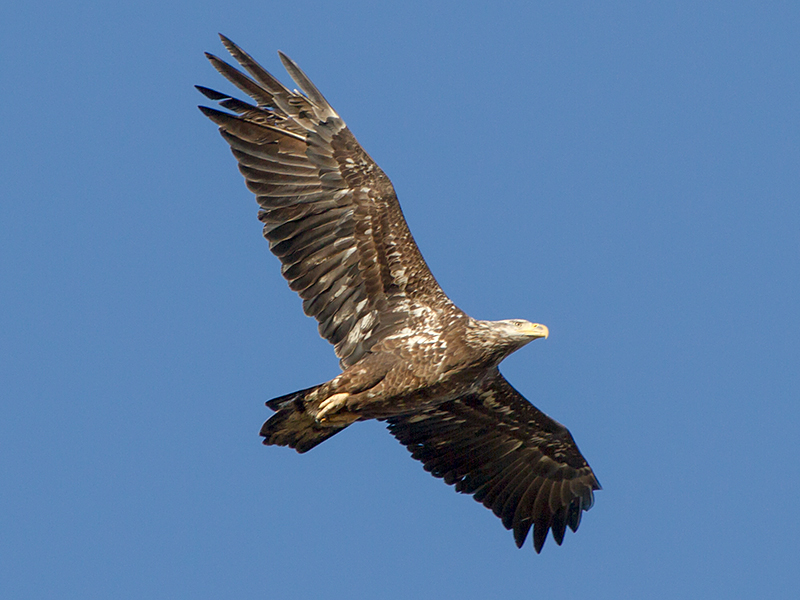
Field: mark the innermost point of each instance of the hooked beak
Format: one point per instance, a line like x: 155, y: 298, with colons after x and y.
x: 537, y: 330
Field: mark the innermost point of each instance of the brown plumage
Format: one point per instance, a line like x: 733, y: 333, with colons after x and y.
x: 409, y: 355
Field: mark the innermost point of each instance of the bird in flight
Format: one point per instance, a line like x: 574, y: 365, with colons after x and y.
x: 409, y: 356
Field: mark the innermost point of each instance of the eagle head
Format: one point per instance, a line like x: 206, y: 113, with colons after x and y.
x: 498, y: 339
x: 520, y: 330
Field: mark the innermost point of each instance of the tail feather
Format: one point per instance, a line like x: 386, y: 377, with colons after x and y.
x: 295, y: 398
x: 292, y: 425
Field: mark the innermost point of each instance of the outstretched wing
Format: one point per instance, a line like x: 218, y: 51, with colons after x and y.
x: 513, y: 458
x: 329, y: 212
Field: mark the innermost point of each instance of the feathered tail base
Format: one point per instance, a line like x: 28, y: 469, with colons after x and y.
x: 293, y: 425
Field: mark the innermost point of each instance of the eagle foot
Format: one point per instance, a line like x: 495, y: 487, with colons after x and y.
x: 330, y: 405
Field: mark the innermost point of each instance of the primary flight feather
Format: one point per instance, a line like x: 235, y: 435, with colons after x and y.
x: 408, y: 355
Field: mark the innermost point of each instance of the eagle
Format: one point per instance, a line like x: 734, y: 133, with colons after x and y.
x: 409, y: 356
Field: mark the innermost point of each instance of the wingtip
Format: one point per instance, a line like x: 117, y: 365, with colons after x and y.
x: 211, y: 94
x: 230, y: 45
x: 559, y: 525
x: 539, y: 536
x: 287, y: 62
x: 305, y: 84
x: 519, y: 540
x: 219, y: 117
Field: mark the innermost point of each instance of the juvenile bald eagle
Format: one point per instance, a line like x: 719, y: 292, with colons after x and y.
x: 408, y: 355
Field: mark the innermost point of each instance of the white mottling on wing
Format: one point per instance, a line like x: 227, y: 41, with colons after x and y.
x: 399, y: 276
x: 421, y: 311
x: 421, y: 340
x: 341, y: 194
x: 365, y: 323
x: 404, y: 332
x: 417, y: 418
x: 338, y: 318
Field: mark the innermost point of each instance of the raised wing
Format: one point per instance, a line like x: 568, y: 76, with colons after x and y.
x: 513, y: 458
x: 329, y: 212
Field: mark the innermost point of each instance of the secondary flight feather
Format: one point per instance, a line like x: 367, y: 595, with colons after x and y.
x: 408, y: 355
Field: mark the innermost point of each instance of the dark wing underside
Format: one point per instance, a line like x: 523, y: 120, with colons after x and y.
x: 330, y: 214
x: 513, y: 458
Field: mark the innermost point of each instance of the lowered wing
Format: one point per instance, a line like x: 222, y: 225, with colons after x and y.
x: 509, y: 455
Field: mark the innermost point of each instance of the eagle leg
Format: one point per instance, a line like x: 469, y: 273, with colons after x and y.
x: 333, y: 404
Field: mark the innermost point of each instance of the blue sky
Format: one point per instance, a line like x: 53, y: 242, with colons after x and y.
x: 626, y: 173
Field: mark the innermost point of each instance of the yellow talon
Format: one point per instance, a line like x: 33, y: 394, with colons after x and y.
x: 330, y: 405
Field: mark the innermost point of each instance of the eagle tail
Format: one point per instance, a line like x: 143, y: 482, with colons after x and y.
x: 292, y: 425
